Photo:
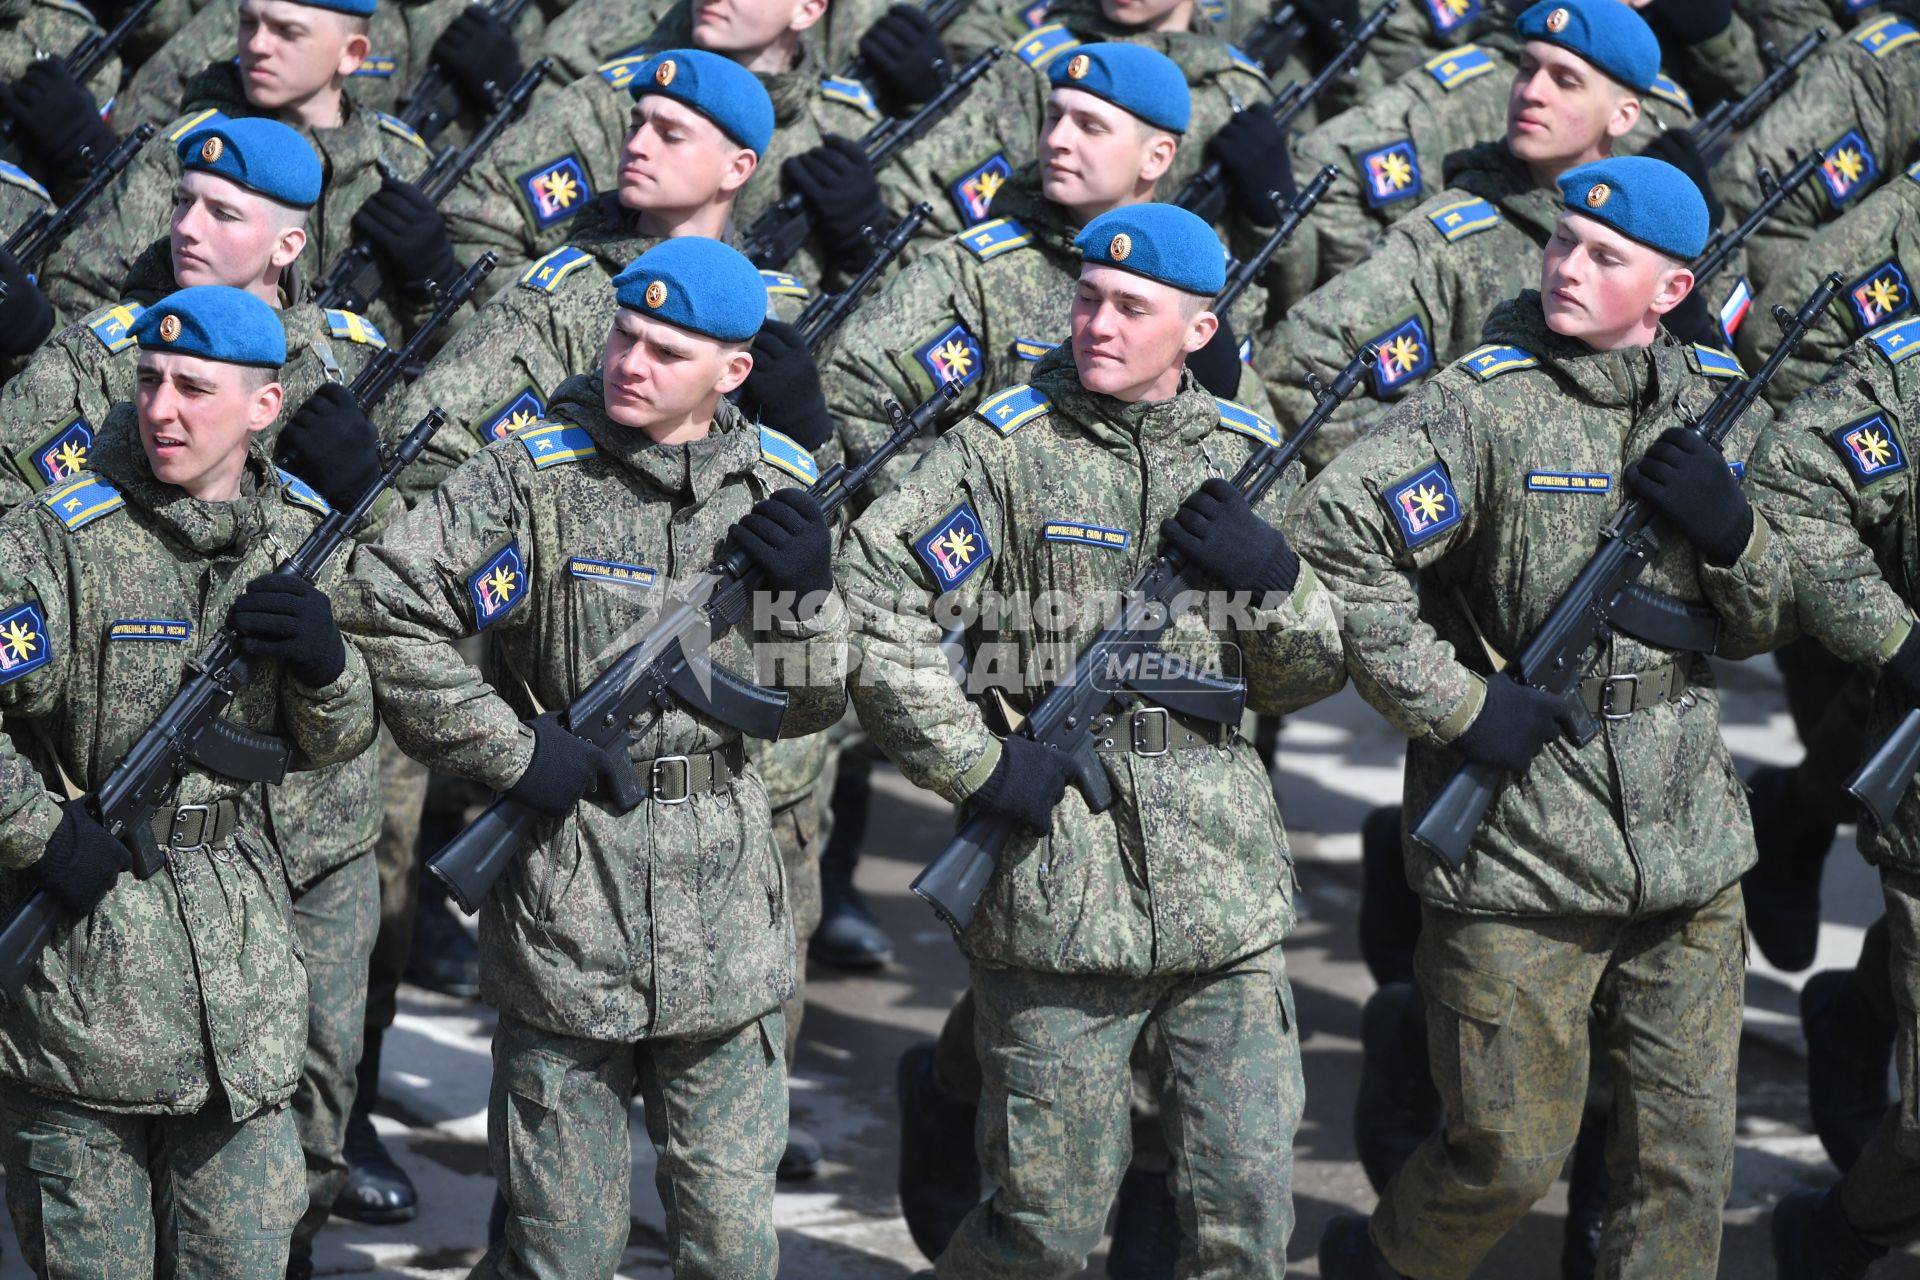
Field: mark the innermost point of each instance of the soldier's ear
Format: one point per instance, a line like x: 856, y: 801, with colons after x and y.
x: 265, y: 406
x: 739, y: 364
x: 1200, y: 331
x: 288, y: 246
x: 1625, y: 114
x: 806, y: 13
x: 1157, y: 156
x: 740, y: 167
x: 1676, y: 282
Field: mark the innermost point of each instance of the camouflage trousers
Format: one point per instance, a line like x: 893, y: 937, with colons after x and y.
x: 796, y: 829
x: 97, y: 1195
x: 1508, y: 1003
x: 403, y: 798
x: 1881, y: 1193
x: 1223, y: 1056
x: 716, y: 1112
x: 334, y: 920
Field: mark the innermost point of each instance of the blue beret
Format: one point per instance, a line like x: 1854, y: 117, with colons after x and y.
x: 261, y: 155
x: 217, y: 322
x: 1611, y: 35
x: 1159, y: 241
x: 1131, y: 77
x: 358, y: 8
x: 1642, y: 198
x: 719, y: 88
x: 698, y: 284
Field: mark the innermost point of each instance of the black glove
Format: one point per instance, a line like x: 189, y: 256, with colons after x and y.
x: 332, y: 445
x: 1694, y: 321
x: 1220, y: 534
x: 1026, y: 784
x: 1904, y: 668
x: 1677, y: 148
x: 1320, y: 17
x: 565, y: 769
x: 904, y: 52
x: 1516, y: 721
x: 783, y: 390
x: 786, y: 534
x: 1691, y: 21
x: 1252, y: 151
x: 478, y: 49
x: 55, y: 116
x: 284, y: 616
x: 838, y: 185
x: 1687, y: 480
x: 26, y: 318
x: 81, y: 861
x: 1217, y: 365
x: 408, y: 234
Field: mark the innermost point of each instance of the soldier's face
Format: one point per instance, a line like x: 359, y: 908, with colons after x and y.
x: 196, y: 416
x: 1562, y: 110
x: 222, y: 233
x: 1601, y: 287
x: 1094, y: 156
x: 749, y: 26
x: 1131, y: 335
x: 290, y: 52
x: 1149, y: 15
x: 657, y: 376
x: 675, y: 158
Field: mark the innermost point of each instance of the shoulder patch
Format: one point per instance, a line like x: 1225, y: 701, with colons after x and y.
x: 114, y: 325
x: 1447, y: 16
x: 991, y: 239
x: 302, y: 494
x: 788, y: 454
x: 354, y: 328
x: 1458, y: 219
x: 545, y: 273
x: 14, y: 176
x: 1456, y: 67
x: 1235, y: 54
x: 516, y: 413
x: 954, y: 547
x: 1045, y: 44
x: 1237, y: 417
x: 619, y: 71
x: 1713, y: 362
x: 1880, y: 295
x: 1883, y: 35
x: 1489, y: 362
x: 1849, y: 166
x: 972, y: 192
x: 1031, y: 348
x: 1423, y: 505
x: 1391, y: 173
x: 63, y: 454
x: 550, y: 444
x: 1008, y: 411
x: 850, y: 91
x: 1217, y: 11
x: 497, y: 585
x: 1666, y: 87
x: 192, y: 122
x: 1871, y: 450
x: 554, y: 191
x: 377, y: 68
x: 781, y: 285
x: 400, y: 129
x: 80, y: 503
x: 1405, y: 353
x: 1734, y: 310
x: 24, y: 644
x: 1897, y: 341
x: 952, y: 355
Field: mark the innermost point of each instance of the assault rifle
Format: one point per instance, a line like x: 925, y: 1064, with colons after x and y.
x: 1245, y: 273
x: 96, y: 47
x: 36, y: 239
x: 777, y: 234
x: 828, y: 310
x: 353, y: 280
x: 1554, y: 660
x: 1069, y: 716
x: 1205, y: 193
x: 1711, y: 131
x: 1278, y: 35
x: 668, y: 665
x: 433, y: 103
x: 391, y: 365
x: 1774, y: 193
x: 1883, y: 779
x: 192, y: 730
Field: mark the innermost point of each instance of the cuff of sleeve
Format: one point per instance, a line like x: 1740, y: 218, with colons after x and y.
x: 1464, y: 714
x: 1891, y: 643
x: 831, y: 616
x: 512, y: 764
x: 976, y: 776
x: 23, y: 839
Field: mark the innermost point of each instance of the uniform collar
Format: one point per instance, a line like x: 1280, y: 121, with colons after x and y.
x: 1051, y: 225
x: 1490, y: 171
x: 1622, y: 379
x: 209, y: 528
x: 793, y: 90
x: 1187, y: 418
x: 693, y: 470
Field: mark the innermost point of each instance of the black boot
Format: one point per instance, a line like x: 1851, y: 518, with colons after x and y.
x: 378, y: 1191
x: 300, y: 1260
x: 1397, y: 1106
x: 1389, y: 909
x: 1812, y: 1239
x: 801, y: 1160
x: 1587, y: 1186
x: 444, y: 957
x: 848, y: 937
x: 1146, y: 1229
x: 1783, y: 888
x: 1849, y: 1050
x: 939, y: 1168
x: 1347, y: 1252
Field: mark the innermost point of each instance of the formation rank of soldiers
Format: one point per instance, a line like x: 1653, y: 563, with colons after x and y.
x: 629, y: 418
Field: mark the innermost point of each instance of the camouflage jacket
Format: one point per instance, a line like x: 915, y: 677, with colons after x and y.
x: 1784, y: 21
x: 32, y: 29
x: 520, y: 198
x: 1857, y: 101
x: 1836, y: 483
x: 499, y: 371
x: 185, y: 988
x: 1063, y: 493
x: 87, y: 273
x: 1460, y: 487
x: 1871, y: 246
x: 563, y: 542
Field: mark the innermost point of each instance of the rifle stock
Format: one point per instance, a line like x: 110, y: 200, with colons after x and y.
x: 1886, y: 774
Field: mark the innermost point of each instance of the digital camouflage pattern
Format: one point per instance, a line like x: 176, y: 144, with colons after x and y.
x: 1458, y: 485
x: 192, y: 974
x: 1189, y: 871
x: 1878, y: 1192
x: 674, y: 914
x: 1785, y: 21
x: 32, y: 29
x: 91, y: 267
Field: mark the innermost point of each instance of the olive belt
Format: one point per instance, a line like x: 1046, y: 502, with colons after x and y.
x: 1154, y: 731
x: 677, y: 779
x: 1617, y: 697
x: 190, y: 827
